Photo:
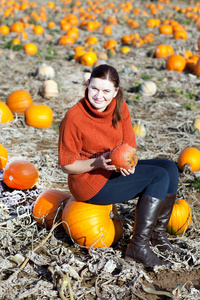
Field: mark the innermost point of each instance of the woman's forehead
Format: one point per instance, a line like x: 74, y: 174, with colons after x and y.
x: 101, y: 83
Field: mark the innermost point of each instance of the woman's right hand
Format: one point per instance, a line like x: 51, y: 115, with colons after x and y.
x: 103, y: 162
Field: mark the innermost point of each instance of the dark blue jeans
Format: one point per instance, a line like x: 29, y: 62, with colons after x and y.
x: 153, y: 177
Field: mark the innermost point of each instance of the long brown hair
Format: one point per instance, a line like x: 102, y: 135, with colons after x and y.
x: 105, y: 71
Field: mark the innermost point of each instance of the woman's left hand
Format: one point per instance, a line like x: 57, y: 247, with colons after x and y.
x: 125, y: 172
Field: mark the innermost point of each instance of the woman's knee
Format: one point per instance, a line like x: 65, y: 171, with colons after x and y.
x: 170, y: 166
x: 159, y: 185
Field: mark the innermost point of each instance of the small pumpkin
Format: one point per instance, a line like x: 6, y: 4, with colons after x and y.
x: 88, y: 59
x: 39, y: 115
x: 19, y: 100
x: 196, y: 124
x: 51, y: 25
x: 38, y: 30
x: 176, y: 62
x: 45, y: 209
x: 30, y: 48
x: 107, y: 30
x: 125, y: 50
x: 139, y: 129
x: 49, y: 89
x: 166, y: 29
x: 45, y: 71
x: 91, y: 225
x: 5, y: 113
x: 110, y: 44
x: 73, y: 33
x: 20, y: 174
x: 17, y: 27
x: 163, y: 51
x: 124, y: 156
x: 148, y: 88
x: 181, y: 217
x: 91, y: 40
x: 191, y: 64
x: 66, y: 40
x: 191, y: 157
x: 3, y: 157
x: 197, y: 67
x: 4, y: 30
x: 180, y: 34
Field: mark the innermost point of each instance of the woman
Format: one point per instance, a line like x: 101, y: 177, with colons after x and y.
x: 89, y: 131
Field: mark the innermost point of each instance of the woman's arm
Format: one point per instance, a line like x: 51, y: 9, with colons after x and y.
x: 82, y: 166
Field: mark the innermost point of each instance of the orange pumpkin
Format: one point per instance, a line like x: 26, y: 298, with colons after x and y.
x: 3, y: 157
x: 30, y: 48
x: 191, y: 157
x: 73, y: 33
x: 92, y: 40
x: 91, y: 225
x: 191, y: 64
x: 166, y: 29
x: 89, y: 58
x: 20, y: 174
x: 110, y: 44
x: 111, y: 21
x: 66, y: 40
x: 107, y: 30
x: 181, y: 217
x: 65, y: 26
x: 176, y: 62
x: 45, y: 209
x: 78, y: 54
x: 196, y: 69
x: 51, y: 25
x: 39, y: 30
x: 5, y: 113
x: 39, y: 115
x: 124, y: 156
x: 126, y: 39
x: 17, y: 27
x: 4, y: 30
x: 163, y: 51
x: 180, y: 34
x: 18, y: 101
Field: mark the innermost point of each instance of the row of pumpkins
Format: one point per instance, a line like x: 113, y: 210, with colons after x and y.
x: 99, y: 225
x: 21, y: 102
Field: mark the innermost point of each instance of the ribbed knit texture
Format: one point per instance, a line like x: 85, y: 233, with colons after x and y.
x: 87, y: 133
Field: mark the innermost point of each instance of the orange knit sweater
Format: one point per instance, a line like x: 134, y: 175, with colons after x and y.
x: 86, y: 133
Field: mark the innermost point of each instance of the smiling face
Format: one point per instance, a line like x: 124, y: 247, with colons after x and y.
x: 100, y: 93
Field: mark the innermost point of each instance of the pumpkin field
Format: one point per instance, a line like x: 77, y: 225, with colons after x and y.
x: 47, y: 52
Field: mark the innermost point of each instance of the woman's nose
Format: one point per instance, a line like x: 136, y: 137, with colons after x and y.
x: 99, y: 94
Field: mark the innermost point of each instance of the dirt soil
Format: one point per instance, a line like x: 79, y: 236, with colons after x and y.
x: 58, y: 268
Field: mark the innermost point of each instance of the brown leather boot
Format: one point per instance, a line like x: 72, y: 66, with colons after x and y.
x: 158, y: 237
x: 147, y: 212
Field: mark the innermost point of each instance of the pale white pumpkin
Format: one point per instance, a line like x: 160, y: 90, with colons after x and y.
x: 148, y: 88
x: 86, y: 76
x: 45, y: 71
x: 49, y: 89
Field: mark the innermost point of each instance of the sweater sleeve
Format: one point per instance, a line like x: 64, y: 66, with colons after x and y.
x: 128, y: 132
x: 69, y: 144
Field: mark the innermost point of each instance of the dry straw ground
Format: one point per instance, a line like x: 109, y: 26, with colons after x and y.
x: 58, y: 269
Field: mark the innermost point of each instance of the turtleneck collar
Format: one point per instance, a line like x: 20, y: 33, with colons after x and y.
x: 93, y: 113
